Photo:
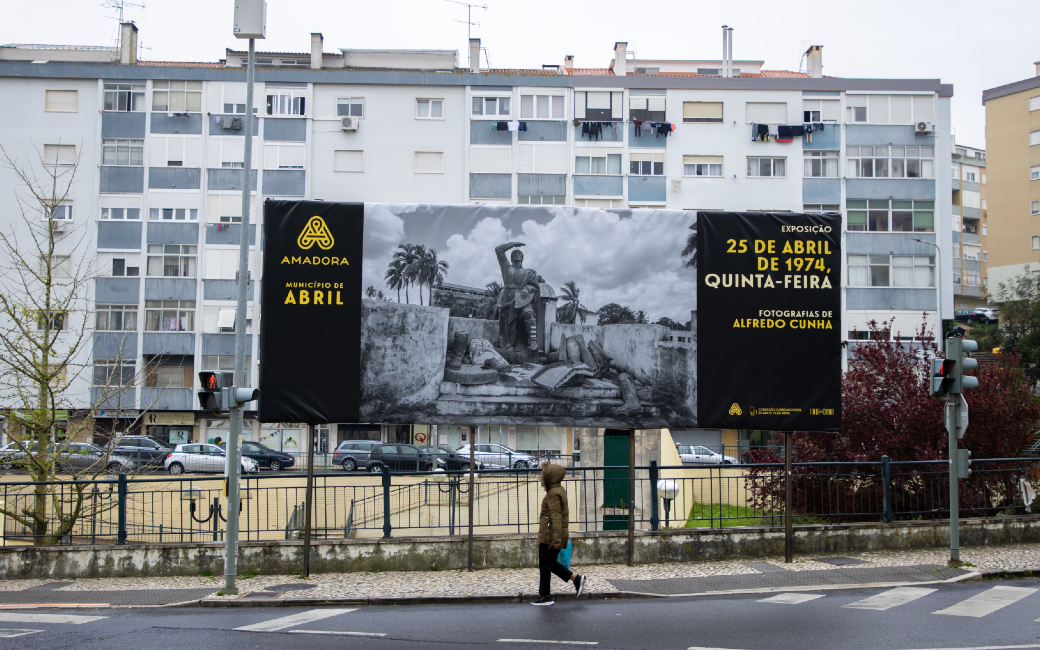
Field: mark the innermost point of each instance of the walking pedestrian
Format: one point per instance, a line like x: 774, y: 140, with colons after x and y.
x: 553, y: 535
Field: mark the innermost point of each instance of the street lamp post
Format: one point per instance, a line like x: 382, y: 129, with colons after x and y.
x: 668, y: 489
x: 454, y: 491
x: 938, y: 285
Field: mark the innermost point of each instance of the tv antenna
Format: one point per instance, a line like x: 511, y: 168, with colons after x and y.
x: 469, y: 15
x: 118, y: 5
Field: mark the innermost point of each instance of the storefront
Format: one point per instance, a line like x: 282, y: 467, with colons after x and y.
x: 357, y: 432
x: 281, y: 436
x: 109, y: 424
x: 171, y: 428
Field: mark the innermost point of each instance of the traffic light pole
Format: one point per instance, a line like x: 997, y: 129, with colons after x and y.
x: 233, y: 472
x: 953, y: 406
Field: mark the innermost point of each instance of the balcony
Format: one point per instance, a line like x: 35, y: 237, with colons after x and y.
x: 167, y: 399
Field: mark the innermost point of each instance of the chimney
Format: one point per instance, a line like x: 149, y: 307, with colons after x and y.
x: 568, y: 61
x: 317, y: 48
x: 725, y: 43
x: 128, y: 44
x: 814, y: 61
x: 621, y: 58
x: 1037, y: 64
x: 729, y: 51
x: 474, y: 55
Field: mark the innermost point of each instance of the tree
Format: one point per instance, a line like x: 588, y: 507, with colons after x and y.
x: 615, y: 313
x: 489, y: 306
x: 1020, y: 315
x: 45, y: 365
x: 394, y: 276
x: 403, y: 264
x: 370, y: 291
x: 669, y: 323
x: 642, y: 318
x: 429, y: 270
x: 572, y: 309
x: 691, y: 247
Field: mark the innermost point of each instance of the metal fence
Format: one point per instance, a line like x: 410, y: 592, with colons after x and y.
x: 415, y: 504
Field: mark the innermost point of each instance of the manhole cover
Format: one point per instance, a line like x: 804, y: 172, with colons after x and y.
x: 297, y: 586
x: 839, y: 561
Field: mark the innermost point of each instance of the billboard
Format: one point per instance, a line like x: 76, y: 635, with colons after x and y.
x: 480, y: 314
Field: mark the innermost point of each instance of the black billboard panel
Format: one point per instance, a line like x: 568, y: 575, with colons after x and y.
x: 768, y: 320
x: 310, y: 360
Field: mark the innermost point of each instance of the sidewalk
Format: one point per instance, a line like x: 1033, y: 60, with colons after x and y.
x: 605, y: 581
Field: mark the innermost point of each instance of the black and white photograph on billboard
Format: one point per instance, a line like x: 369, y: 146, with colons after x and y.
x: 478, y: 314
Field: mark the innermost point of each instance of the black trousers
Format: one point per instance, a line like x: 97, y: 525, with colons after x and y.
x: 547, y: 564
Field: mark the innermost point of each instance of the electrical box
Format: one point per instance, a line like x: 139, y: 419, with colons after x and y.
x: 250, y: 19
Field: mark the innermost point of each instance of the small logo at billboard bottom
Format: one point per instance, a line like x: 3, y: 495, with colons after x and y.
x: 821, y: 411
x: 735, y: 409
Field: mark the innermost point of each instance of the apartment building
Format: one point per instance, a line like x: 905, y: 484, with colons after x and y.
x: 159, y: 195
x: 1013, y: 147
x: 970, y: 255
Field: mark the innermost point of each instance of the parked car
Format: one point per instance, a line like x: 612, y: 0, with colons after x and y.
x: 145, y: 450
x: 12, y: 456
x: 78, y: 457
x: 986, y: 315
x: 447, y: 459
x: 352, y: 454
x: 264, y: 455
x: 399, y: 458
x: 964, y: 315
x: 703, y: 455
x: 202, y: 458
x: 499, y: 456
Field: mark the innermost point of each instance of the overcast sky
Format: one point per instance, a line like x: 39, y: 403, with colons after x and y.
x: 973, y: 45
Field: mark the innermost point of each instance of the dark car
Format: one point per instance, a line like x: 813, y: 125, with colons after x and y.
x: 264, y: 456
x: 399, y: 458
x: 145, y: 451
x: 352, y: 454
x: 964, y: 315
x: 447, y: 459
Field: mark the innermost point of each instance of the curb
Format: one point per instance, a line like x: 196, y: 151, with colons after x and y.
x: 416, y: 600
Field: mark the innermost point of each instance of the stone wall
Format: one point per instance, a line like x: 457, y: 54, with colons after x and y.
x: 514, y: 551
x: 477, y: 328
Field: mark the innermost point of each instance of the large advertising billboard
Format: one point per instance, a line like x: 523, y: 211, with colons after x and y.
x: 513, y: 315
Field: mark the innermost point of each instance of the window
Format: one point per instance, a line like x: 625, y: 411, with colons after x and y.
x: 541, y: 199
x: 120, y: 213
x: 983, y: 178
x: 1034, y: 138
x: 890, y: 162
x: 429, y: 109
x: 161, y: 373
x: 61, y: 212
x: 1034, y: 207
x: 429, y: 162
x: 956, y: 250
x: 348, y: 160
x: 971, y: 199
x: 702, y: 166
x: 57, y: 321
x: 985, y: 256
x: 222, y: 263
x: 491, y: 106
x: 284, y: 156
x: 175, y: 151
x: 350, y: 106
x: 541, y: 107
x: 61, y: 155
x: 646, y: 164
x: 60, y: 266
x: 821, y: 164
x: 821, y: 207
x: 169, y: 315
x: 491, y: 160
x: 119, y: 265
x: 1034, y: 103
x: 765, y: 112
x: 119, y: 151
x: 286, y: 101
x: 115, y: 318
x: 229, y: 153
x: 766, y: 167
x: 917, y: 271
x: 647, y: 108
x: 171, y: 261
x: 114, y: 372
x: 61, y: 101
x: 972, y: 252
x: 592, y: 160
x: 820, y: 110
x: 1036, y: 242
x: 605, y: 204
x: 542, y: 158
x: 177, y: 96
x: 701, y: 112
x: 890, y: 216
x: 599, y: 105
x: 983, y: 204
x: 983, y: 230
x: 124, y: 97
x: 173, y: 214
x: 956, y: 171
x: 969, y: 176
x: 1034, y: 173
x: 890, y: 109
x: 226, y: 363
x: 972, y: 278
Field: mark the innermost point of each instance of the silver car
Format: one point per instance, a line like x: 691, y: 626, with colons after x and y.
x: 202, y: 458
x: 80, y: 457
x: 498, y: 457
x: 703, y: 455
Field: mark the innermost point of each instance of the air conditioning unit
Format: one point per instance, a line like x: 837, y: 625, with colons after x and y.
x: 349, y: 123
x: 57, y: 225
x: 924, y: 127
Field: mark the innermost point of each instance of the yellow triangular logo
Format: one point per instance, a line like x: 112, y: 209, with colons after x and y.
x: 735, y: 409
x: 316, y: 232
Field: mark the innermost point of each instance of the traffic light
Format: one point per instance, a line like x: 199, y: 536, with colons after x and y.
x: 948, y: 374
x: 243, y: 395
x: 963, y: 463
x: 942, y: 376
x: 210, y: 395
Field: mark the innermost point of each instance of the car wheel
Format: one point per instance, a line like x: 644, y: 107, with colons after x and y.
x: 349, y: 464
x: 114, y: 468
x: 6, y: 465
x: 376, y: 469
x: 176, y: 468
x: 275, y: 465
x: 520, y: 464
x: 726, y: 462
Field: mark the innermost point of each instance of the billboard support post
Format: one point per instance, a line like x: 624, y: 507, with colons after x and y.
x: 631, y: 496
x: 469, y: 552
x: 788, y: 510
x: 307, y: 501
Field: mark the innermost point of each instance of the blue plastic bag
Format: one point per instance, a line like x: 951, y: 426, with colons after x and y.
x: 564, y: 556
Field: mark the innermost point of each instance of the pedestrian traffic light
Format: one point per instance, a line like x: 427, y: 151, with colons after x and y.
x: 963, y: 463
x: 210, y: 396
x: 942, y: 377
x: 947, y: 376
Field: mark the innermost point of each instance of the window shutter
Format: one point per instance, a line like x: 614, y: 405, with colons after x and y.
x: 617, y: 108
x: 656, y: 104
x: 766, y: 112
x: 61, y: 101
x: 579, y: 105
x: 271, y: 156
x: 349, y: 161
x: 526, y: 107
x: 235, y: 93
x: 877, y: 109
x: 829, y: 109
x: 856, y: 101
x: 598, y: 99
x: 637, y: 103
x: 1034, y: 102
x: 702, y: 111
x: 226, y: 318
x: 157, y: 151
x: 229, y: 264
x: 213, y: 153
x: 292, y: 155
x: 192, y: 152
x: 901, y: 109
x: 557, y: 106
x: 429, y: 162
x: 59, y: 154
x: 174, y: 149
x: 232, y: 150
x: 213, y: 262
x: 526, y: 165
x: 491, y: 160
x: 702, y: 160
x: 551, y: 159
x: 923, y: 108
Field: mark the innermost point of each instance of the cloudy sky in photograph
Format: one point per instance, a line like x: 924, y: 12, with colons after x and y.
x: 973, y: 45
x: 628, y: 257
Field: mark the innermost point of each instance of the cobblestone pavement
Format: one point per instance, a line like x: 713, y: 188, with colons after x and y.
x: 524, y: 581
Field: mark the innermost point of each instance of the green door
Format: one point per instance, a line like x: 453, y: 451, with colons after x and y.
x: 615, y: 481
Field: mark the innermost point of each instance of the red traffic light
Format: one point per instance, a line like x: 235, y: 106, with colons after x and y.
x: 208, y: 380
x: 946, y: 368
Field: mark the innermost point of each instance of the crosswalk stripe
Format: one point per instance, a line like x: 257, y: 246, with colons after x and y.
x: 547, y: 641
x: 10, y: 633
x: 987, y: 602
x: 290, y: 621
x: 891, y: 598
x: 336, y: 632
x: 791, y: 598
x: 14, y: 617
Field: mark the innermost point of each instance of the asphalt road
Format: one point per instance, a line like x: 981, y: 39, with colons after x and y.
x: 985, y: 614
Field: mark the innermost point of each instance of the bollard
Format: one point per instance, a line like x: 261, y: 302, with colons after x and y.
x: 655, y: 518
x: 121, y: 535
x: 886, y: 477
x: 386, y: 502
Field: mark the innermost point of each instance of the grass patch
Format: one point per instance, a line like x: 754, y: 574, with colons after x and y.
x: 703, y: 515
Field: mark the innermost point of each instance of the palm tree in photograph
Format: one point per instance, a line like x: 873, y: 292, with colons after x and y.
x: 642, y: 318
x: 691, y: 248
x: 370, y: 291
x: 404, y: 259
x: 572, y: 309
x: 489, y: 306
x: 394, y: 276
x: 431, y: 271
